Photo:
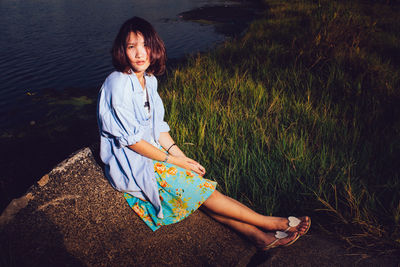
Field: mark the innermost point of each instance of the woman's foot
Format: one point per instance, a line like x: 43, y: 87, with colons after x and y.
x: 277, y: 239
x: 300, y: 225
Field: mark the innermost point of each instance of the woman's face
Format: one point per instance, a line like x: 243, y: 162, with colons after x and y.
x: 138, y: 52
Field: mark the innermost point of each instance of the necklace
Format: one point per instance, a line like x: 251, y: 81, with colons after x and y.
x: 146, y: 102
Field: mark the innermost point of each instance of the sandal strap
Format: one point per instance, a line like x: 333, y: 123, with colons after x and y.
x: 278, y: 235
x: 293, y: 222
x: 271, y: 245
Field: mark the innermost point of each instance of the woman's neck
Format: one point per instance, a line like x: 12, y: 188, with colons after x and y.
x: 142, y: 81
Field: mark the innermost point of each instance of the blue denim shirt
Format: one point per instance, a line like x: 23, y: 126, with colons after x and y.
x: 122, y: 122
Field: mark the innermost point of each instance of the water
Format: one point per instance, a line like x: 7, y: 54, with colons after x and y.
x: 60, y: 44
x: 54, y: 57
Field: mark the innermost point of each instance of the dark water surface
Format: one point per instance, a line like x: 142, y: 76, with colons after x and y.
x: 54, y: 57
x: 65, y: 43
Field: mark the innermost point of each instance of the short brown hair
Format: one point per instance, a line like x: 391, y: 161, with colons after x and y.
x: 152, y: 39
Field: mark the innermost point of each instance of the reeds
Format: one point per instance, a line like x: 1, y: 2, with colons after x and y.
x: 301, y: 114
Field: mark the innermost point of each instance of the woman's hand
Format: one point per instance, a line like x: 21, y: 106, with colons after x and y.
x: 177, y: 157
x: 188, y: 164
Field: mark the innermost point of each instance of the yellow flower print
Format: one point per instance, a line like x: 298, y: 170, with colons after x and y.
x: 172, y: 171
x: 163, y: 183
x: 208, y: 185
x: 159, y: 168
x: 146, y: 218
x: 177, y: 203
x: 139, y: 211
x: 180, y: 214
x: 179, y: 191
x: 189, y: 173
x: 205, y: 186
x: 127, y: 196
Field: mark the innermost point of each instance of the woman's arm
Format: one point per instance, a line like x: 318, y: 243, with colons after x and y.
x: 166, y: 142
x: 148, y: 150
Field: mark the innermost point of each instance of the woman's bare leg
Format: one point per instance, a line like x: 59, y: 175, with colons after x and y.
x: 227, y: 207
x: 301, y: 228
x: 259, y: 238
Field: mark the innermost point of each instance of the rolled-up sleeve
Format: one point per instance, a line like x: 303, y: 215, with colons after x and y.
x: 118, y: 118
x: 125, y: 128
x: 163, y: 126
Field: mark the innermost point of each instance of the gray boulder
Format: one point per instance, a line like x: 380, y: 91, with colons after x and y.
x: 73, y: 217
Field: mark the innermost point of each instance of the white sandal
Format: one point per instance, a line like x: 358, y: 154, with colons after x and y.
x: 294, y: 222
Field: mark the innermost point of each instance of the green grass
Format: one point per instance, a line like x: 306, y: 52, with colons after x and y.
x: 300, y: 115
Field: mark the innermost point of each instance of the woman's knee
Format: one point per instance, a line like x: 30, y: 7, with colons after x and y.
x: 214, y: 195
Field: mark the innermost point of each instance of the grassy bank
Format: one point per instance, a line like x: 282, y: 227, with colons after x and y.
x: 300, y: 115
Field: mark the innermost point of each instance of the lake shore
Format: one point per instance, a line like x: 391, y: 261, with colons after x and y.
x: 291, y: 100
x: 70, y: 121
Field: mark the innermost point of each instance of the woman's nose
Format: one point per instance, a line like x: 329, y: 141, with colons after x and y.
x: 141, y: 52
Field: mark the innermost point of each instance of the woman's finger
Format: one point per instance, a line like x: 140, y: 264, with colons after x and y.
x: 196, y: 169
x: 200, y: 170
x: 203, y: 170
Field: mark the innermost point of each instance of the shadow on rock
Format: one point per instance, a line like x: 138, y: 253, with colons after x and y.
x: 38, y: 242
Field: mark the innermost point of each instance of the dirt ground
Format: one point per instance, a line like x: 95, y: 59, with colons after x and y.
x: 318, y: 250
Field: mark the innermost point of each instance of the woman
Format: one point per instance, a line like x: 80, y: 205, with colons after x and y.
x: 159, y: 182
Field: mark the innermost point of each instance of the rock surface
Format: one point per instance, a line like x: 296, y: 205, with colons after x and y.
x: 73, y: 217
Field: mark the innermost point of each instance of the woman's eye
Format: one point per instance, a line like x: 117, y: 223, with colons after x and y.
x: 131, y: 46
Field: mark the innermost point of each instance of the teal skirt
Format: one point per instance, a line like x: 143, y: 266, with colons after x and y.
x: 181, y: 193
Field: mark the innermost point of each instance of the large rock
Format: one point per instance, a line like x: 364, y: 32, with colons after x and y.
x: 73, y: 217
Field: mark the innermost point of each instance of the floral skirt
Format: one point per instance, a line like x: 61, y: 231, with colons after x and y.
x: 181, y: 193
